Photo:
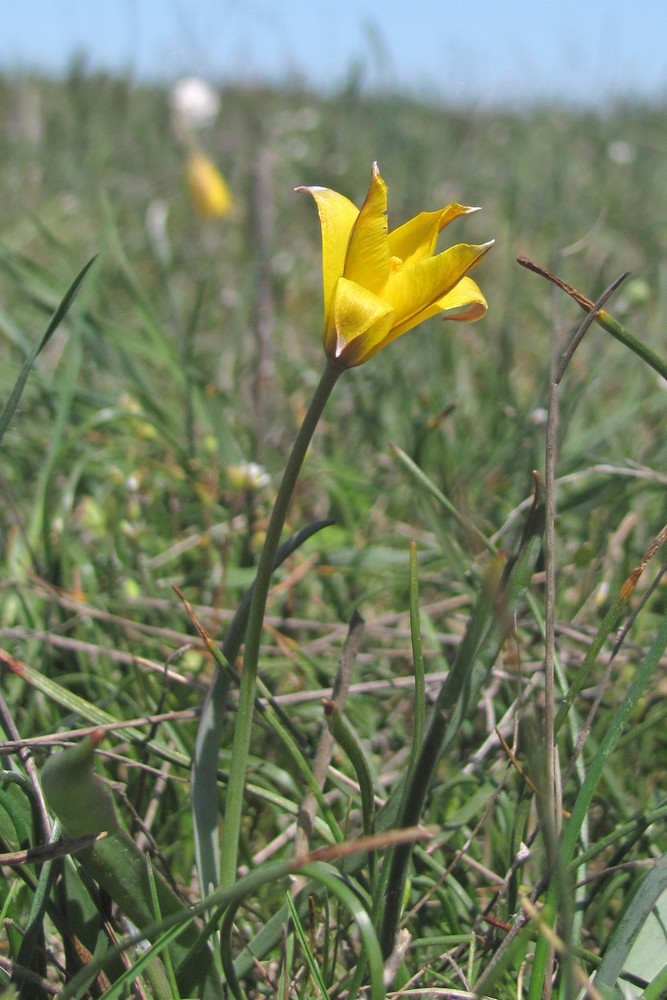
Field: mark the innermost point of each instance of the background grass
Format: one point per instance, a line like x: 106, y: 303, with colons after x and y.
x: 114, y: 470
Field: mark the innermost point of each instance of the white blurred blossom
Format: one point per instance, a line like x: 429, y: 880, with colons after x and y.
x: 194, y: 103
x: 621, y: 152
x: 248, y: 476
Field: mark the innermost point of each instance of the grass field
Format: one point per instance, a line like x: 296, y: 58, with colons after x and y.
x: 194, y: 345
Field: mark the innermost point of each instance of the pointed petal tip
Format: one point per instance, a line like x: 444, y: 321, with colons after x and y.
x: 308, y: 189
x: 485, y: 247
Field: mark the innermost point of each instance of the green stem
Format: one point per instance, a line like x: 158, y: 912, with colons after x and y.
x: 619, y: 332
x: 242, y: 731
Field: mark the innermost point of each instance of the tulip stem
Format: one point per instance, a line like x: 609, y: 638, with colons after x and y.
x: 241, y: 744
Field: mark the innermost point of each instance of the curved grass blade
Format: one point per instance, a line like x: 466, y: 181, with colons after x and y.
x: 221, y: 899
x: 86, y: 710
x: 429, y: 487
x: 329, y: 878
x: 57, y: 318
x: 348, y: 742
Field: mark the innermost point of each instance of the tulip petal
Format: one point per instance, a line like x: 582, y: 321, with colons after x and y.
x: 465, y: 303
x: 360, y: 319
x: 416, y: 238
x: 337, y: 217
x: 411, y: 289
x: 367, y: 261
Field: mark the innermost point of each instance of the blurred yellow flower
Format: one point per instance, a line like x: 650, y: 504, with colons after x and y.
x: 377, y: 284
x: 208, y: 189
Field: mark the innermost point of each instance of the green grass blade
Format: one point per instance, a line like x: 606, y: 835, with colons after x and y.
x: 141, y: 963
x: 657, y: 988
x: 57, y: 318
x: 346, y: 738
x: 432, y: 490
x: 643, y: 675
x: 333, y: 882
x: 40, y: 902
x: 305, y: 948
x: 491, y: 619
x: 626, y: 934
x: 582, y: 803
x: 97, y: 716
x: 348, y: 742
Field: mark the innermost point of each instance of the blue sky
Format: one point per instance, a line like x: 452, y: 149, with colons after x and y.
x: 484, y: 51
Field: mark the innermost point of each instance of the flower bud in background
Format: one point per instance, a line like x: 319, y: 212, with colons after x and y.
x: 208, y: 189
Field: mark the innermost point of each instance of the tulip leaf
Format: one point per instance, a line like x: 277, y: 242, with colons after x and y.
x: 83, y: 804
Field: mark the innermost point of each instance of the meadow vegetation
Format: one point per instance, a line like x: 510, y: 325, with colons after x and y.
x: 193, y: 346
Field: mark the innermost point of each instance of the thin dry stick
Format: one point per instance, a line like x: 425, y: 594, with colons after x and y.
x: 551, y: 793
x: 47, y: 852
x: 600, y: 469
x: 142, y: 839
x: 26, y: 758
x: 592, y: 308
x: 66, y: 736
x: 550, y: 597
x: 20, y: 974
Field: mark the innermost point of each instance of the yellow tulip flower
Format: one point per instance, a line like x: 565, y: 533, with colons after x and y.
x: 208, y: 190
x: 377, y: 284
